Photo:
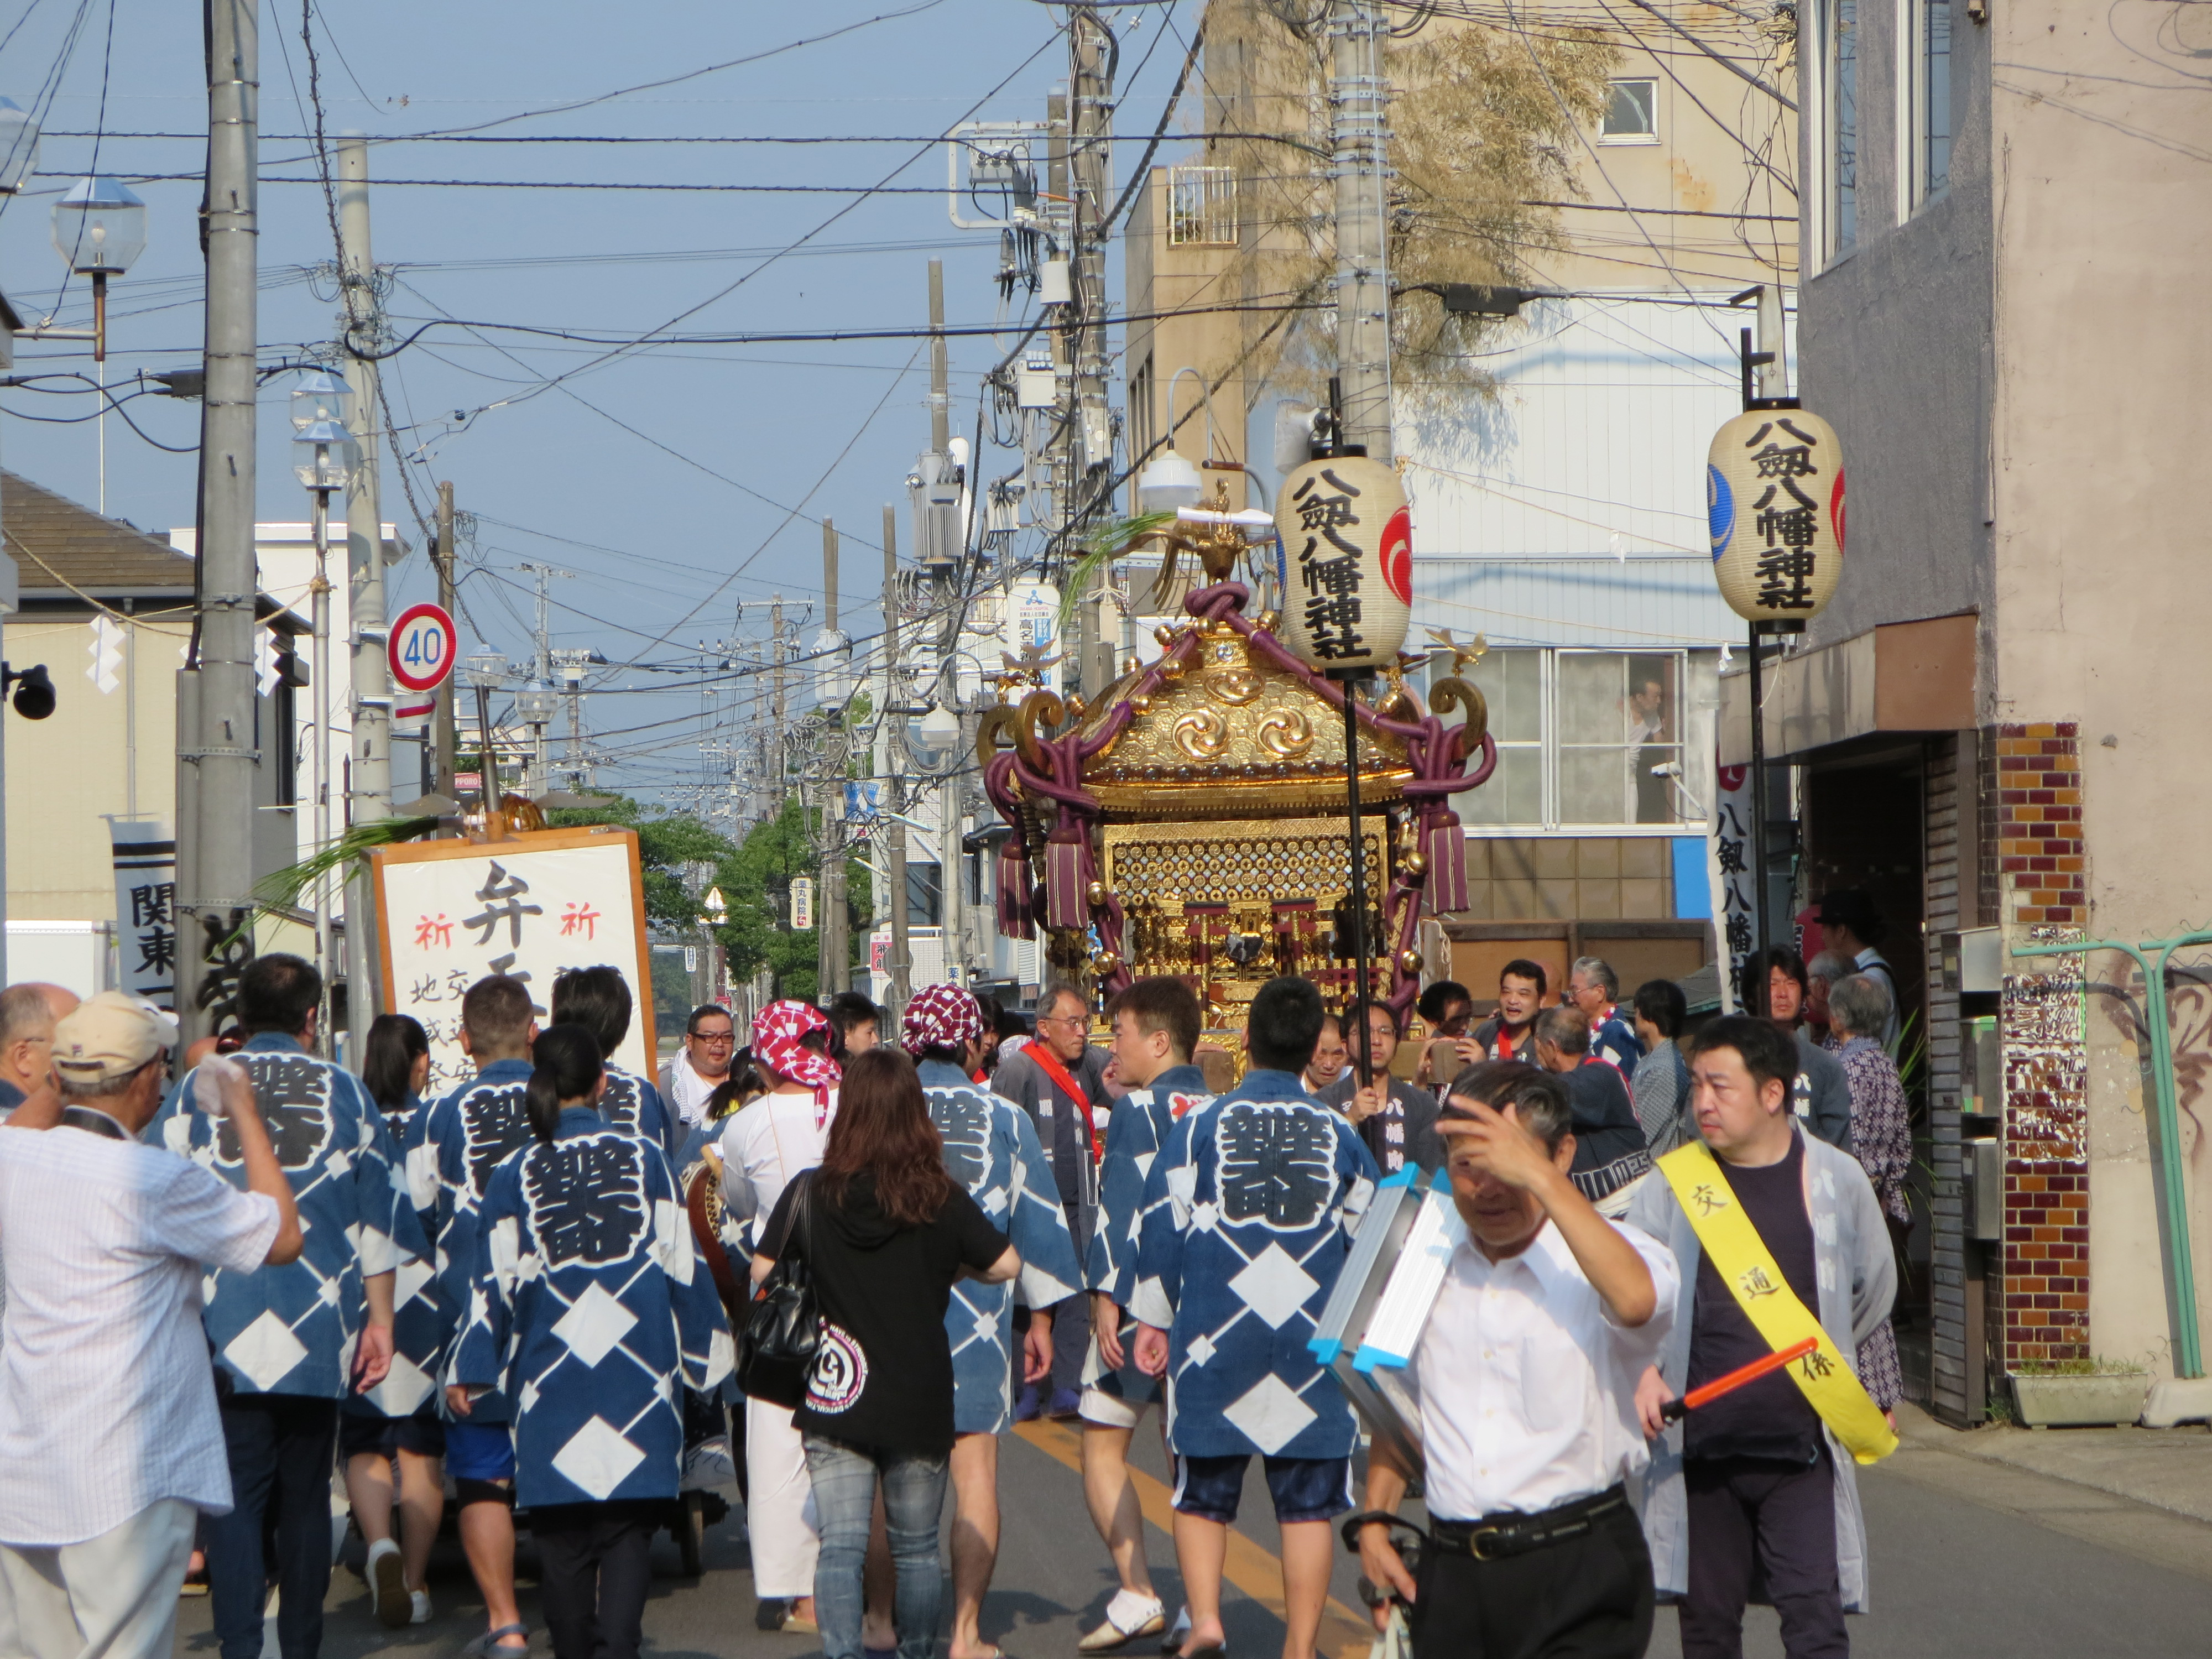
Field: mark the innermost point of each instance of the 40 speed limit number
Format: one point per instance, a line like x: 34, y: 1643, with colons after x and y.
x: 421, y: 650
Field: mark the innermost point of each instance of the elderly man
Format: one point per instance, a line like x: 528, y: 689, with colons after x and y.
x: 110, y: 1443
x: 1610, y: 1154
x: 1593, y: 987
x: 28, y: 1015
x: 1059, y: 1080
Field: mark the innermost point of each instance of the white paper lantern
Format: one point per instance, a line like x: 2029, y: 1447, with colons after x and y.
x: 1347, y: 563
x: 1774, y: 505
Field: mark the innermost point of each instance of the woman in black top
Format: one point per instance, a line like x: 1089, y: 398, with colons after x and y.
x: 884, y: 1232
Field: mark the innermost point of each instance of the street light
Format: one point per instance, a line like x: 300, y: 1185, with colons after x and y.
x: 19, y: 146
x: 324, y: 454
x: 100, y: 231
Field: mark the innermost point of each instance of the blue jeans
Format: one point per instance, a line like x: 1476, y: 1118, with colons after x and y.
x: 844, y: 1480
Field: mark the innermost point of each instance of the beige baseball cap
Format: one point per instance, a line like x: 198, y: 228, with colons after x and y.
x: 109, y: 1035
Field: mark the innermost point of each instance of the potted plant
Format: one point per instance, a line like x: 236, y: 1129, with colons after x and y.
x: 2076, y: 1393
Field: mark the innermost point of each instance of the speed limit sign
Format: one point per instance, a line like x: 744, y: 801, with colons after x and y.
x: 421, y: 648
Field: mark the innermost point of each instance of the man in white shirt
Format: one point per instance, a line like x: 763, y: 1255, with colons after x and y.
x: 1526, y: 1375
x: 111, y: 1445
x: 692, y: 1074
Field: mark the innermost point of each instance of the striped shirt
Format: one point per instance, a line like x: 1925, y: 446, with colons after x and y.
x: 106, y: 1400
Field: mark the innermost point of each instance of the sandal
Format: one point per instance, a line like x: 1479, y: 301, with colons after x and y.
x: 490, y: 1643
x: 1111, y: 1633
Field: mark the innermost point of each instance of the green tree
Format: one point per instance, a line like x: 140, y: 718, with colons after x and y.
x: 666, y: 842
x: 754, y: 877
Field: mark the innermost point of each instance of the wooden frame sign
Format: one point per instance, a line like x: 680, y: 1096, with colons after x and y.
x: 533, y: 905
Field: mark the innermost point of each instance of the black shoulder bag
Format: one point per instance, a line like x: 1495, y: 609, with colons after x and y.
x: 783, y: 1328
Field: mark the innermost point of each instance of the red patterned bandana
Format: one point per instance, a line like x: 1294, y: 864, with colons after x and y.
x: 940, y: 1016
x: 777, y: 1030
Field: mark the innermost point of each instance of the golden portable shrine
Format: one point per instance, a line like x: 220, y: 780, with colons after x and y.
x: 1192, y: 820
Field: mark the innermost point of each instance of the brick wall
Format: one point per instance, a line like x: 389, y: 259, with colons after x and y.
x: 2032, y: 826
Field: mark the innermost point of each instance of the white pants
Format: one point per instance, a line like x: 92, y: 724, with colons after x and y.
x: 779, y: 1505
x: 110, y: 1597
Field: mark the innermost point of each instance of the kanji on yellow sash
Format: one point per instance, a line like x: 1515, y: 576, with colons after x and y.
x: 1824, y: 1376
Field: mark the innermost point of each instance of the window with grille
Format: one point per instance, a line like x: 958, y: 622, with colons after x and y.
x: 1596, y: 737
x: 1202, y: 207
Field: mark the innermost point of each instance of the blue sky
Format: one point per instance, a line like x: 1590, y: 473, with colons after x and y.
x: 663, y: 545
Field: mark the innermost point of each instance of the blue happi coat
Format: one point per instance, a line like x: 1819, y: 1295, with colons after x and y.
x: 1248, y: 1213
x: 291, y: 1329
x: 421, y: 1324
x: 452, y: 1151
x: 1142, y: 1120
x: 632, y: 1102
x: 990, y: 1148
x: 590, y: 1304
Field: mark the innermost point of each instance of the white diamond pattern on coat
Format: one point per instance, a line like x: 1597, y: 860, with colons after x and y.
x: 597, y: 1458
x: 1269, y: 1414
x: 1274, y: 1287
x: 265, y: 1351
x: 593, y: 1324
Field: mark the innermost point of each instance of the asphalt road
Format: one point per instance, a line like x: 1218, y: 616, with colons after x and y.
x: 1956, y: 1571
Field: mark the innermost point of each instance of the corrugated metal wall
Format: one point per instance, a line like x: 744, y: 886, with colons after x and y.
x: 1570, y: 510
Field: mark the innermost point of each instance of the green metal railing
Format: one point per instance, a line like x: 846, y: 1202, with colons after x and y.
x: 2188, y: 1357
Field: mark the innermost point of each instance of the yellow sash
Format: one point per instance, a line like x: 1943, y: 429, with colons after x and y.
x: 1823, y: 1377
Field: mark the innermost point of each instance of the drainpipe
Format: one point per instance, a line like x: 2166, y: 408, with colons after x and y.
x: 2188, y: 1357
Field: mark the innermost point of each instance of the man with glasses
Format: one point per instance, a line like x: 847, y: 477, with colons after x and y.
x: 1060, y: 1080
x: 28, y: 1014
x: 690, y: 1078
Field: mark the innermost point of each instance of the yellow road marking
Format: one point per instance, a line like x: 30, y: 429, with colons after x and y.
x: 1344, y: 1633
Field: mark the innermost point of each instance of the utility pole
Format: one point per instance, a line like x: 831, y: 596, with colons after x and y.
x: 1091, y: 162
x: 1359, y: 99
x: 369, y: 788
x: 536, y: 704
x: 215, y: 871
x: 902, y: 963
x: 836, y: 961
x: 442, y: 719
x: 779, y: 785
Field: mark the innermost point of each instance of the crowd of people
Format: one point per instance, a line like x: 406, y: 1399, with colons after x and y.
x: 501, y: 1293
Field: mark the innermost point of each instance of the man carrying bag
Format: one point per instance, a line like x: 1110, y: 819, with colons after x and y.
x: 1780, y: 1239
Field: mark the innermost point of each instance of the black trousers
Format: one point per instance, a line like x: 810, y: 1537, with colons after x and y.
x: 594, y: 1571
x: 1071, y: 1322
x: 1583, y: 1598
x: 281, y: 1448
x: 1778, y: 1519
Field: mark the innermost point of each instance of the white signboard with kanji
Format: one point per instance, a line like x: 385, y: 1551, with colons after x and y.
x: 532, y: 906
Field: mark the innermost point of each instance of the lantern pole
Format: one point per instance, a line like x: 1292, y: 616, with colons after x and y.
x: 1764, y: 979
x: 1761, y: 897
x: 1347, y: 679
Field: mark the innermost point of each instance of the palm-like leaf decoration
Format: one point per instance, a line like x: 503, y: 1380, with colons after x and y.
x: 283, y: 890
x: 1100, y: 549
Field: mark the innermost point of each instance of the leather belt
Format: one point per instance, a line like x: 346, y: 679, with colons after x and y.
x: 1509, y: 1533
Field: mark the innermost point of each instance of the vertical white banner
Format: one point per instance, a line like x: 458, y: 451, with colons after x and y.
x: 145, y: 909
x: 1729, y: 859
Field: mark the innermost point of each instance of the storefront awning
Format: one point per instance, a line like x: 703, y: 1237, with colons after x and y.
x: 1916, y: 677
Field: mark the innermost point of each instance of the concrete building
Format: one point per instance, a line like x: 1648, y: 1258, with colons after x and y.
x: 107, y: 608
x: 1562, y: 514
x: 1987, y: 719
